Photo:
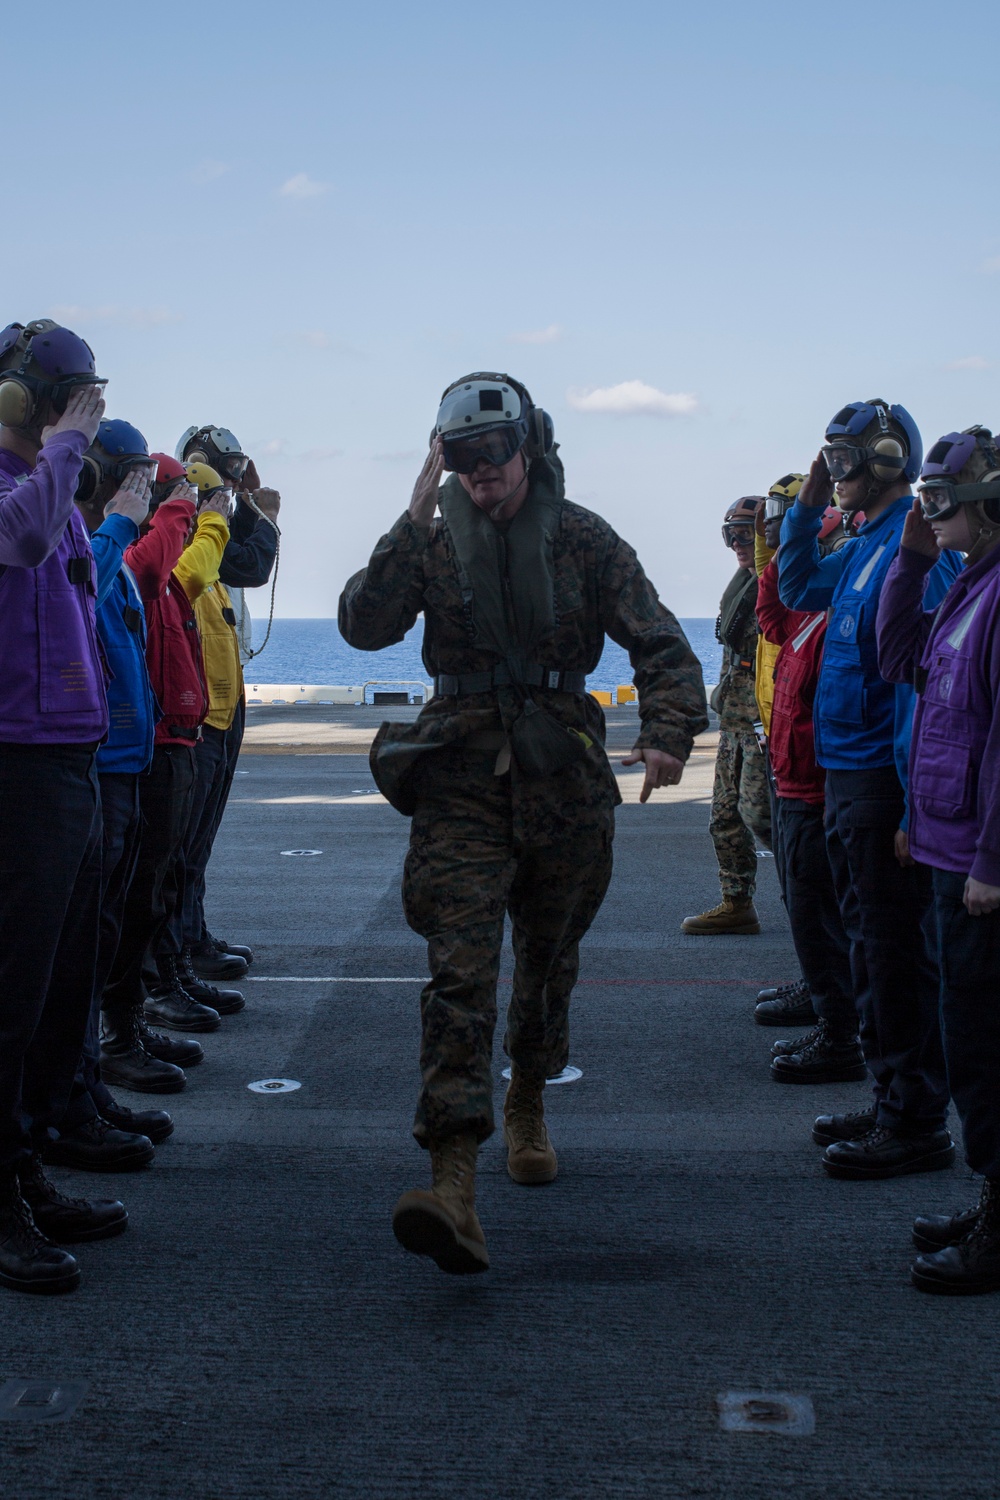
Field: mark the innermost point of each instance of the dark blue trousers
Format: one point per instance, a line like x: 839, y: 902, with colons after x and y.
x: 50, y: 895
x: 821, y: 942
x: 969, y: 954
x: 120, y: 847
x: 215, y: 767
x: 886, y: 910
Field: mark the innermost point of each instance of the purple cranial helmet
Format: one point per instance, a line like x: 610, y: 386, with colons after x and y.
x: 40, y: 363
x: 963, y: 468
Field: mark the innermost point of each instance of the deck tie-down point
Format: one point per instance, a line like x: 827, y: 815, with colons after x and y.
x: 40, y: 1400
x: 766, y: 1411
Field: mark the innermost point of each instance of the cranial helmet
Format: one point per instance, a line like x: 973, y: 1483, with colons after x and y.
x: 170, y: 472
x: 486, y: 417
x: 782, y: 495
x: 118, y: 448
x: 215, y: 446
x: 876, y: 439
x: 740, y: 517
x: 40, y: 362
x: 963, y: 468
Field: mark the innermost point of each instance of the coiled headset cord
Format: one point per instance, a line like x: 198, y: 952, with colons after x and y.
x: 274, y: 576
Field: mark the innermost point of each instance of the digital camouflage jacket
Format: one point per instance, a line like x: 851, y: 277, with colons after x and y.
x: 599, y: 589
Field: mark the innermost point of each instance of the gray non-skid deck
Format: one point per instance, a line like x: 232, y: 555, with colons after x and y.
x: 258, y: 1332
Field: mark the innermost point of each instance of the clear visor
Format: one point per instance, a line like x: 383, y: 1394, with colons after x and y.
x: 843, y: 459
x: 938, y: 502
x: 464, y: 454
x: 775, y: 506
x: 232, y: 465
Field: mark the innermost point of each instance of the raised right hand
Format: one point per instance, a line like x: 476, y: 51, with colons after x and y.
x: 425, y: 491
x: 83, y: 413
x: 817, y: 492
x: 918, y: 534
x: 131, y: 499
x: 218, y: 503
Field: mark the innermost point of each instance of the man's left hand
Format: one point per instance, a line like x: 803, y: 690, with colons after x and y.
x: 661, y: 769
x: 269, y: 501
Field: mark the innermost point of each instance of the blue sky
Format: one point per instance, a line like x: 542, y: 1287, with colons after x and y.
x: 301, y: 222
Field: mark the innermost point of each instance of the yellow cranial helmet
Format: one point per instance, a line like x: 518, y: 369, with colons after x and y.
x: 205, y: 479
x: 781, y: 495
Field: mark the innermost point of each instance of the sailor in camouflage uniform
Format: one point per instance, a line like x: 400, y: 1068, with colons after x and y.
x: 741, y: 803
x: 504, y: 772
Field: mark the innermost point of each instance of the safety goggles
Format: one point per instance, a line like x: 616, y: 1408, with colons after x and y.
x: 61, y: 391
x: 737, y: 535
x: 231, y: 465
x: 463, y: 454
x: 775, y: 506
x: 843, y: 460
x: 940, y: 499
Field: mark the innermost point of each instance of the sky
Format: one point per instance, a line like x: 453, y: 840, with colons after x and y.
x: 695, y: 232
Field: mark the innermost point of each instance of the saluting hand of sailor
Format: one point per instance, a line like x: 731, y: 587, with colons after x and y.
x: 131, y: 499
x: 817, y: 492
x: 918, y: 533
x: 425, y: 491
x: 661, y: 769
x: 83, y: 413
x: 269, y: 501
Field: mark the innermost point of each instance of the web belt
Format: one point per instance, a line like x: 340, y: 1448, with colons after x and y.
x: 448, y: 685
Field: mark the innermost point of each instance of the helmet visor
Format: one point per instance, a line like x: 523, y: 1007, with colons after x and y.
x: 464, y: 453
x: 843, y: 459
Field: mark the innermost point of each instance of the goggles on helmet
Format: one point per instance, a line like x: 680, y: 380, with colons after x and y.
x: 940, y: 499
x: 777, y: 505
x: 843, y: 460
x: 737, y: 534
x: 466, y: 451
x: 232, y: 465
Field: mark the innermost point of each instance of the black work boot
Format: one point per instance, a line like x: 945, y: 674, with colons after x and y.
x: 885, y: 1153
x: 212, y: 961
x: 221, y: 946
x: 786, y: 1044
x: 973, y: 1265
x: 183, y: 1054
x: 28, y: 1261
x: 785, y: 1005
x: 127, y: 1063
x: 226, y: 1002
x: 99, y: 1146
x: 171, y: 1006
x: 851, y: 1127
x: 155, y: 1124
x: 934, y: 1232
x: 68, y: 1221
x: 830, y: 1057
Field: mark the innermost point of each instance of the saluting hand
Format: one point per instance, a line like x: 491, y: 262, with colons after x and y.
x: 131, y: 499
x: 817, y: 492
x: 425, y: 491
x: 83, y: 413
x: 661, y: 769
x: 918, y: 533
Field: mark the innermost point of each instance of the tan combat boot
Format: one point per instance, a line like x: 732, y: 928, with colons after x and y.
x: 530, y: 1157
x: 442, y: 1223
x: 734, y: 915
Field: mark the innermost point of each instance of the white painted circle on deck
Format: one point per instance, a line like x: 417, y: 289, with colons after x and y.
x: 568, y: 1075
x: 301, y: 853
x: 274, y: 1086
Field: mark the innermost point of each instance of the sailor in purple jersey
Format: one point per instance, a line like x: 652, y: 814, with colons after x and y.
x: 951, y: 655
x: 53, y: 715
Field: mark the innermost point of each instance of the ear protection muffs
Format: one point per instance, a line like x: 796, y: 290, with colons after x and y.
x: 894, y: 452
x: 197, y: 456
x: 91, y: 476
x: 17, y: 402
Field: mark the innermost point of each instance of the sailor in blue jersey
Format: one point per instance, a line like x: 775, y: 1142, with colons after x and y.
x: 96, y: 1133
x: 862, y: 727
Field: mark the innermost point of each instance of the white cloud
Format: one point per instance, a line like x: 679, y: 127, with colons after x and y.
x: 550, y: 335
x: 630, y: 397
x: 971, y: 362
x: 208, y: 171
x: 320, y: 455
x: 316, y: 338
x: 992, y: 264
x: 303, y: 186
x: 272, y: 447
x: 129, y: 317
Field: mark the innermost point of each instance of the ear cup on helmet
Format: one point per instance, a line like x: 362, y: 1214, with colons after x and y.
x: 196, y: 456
x: 17, y: 403
x: 892, y: 449
x: 90, y: 478
x: 541, y: 433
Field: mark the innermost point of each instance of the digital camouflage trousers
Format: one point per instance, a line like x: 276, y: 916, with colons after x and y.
x: 471, y: 860
x: 741, y: 811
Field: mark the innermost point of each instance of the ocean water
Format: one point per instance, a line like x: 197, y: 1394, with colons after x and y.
x: 313, y: 651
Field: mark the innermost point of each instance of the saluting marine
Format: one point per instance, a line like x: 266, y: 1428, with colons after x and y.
x: 504, y: 772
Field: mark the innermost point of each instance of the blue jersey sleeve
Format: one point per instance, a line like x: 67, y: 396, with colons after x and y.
x: 805, y: 579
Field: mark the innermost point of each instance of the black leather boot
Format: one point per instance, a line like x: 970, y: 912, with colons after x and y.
x: 128, y: 1064
x: 785, y: 1005
x: 211, y: 961
x: 68, y: 1221
x: 28, y: 1261
x: 851, y: 1127
x: 786, y: 1044
x: 183, y: 1054
x: 830, y: 1057
x: 155, y: 1124
x: 99, y: 1146
x: 973, y: 1265
x: 226, y: 1002
x: 171, y: 1006
x: 933, y: 1232
x: 221, y: 946
x: 885, y: 1153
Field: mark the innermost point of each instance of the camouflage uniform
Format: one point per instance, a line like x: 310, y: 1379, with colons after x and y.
x: 484, y: 843
x: 741, y: 800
